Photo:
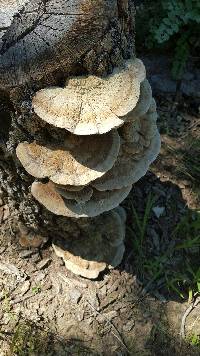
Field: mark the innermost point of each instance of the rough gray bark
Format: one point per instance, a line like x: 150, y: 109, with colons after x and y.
x: 51, y: 35
x: 45, y: 42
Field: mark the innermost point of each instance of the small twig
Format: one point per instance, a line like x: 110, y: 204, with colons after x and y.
x: 115, y: 332
x: 10, y: 228
x: 191, y: 127
x: 187, y: 312
x: 25, y: 297
x: 194, y: 323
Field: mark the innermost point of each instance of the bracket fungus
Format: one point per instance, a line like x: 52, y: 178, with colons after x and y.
x: 91, y: 105
x: 77, y: 161
x: 56, y: 201
x: 100, y: 246
x: 140, y: 147
x: 110, y: 139
x: 81, y: 196
x: 143, y: 103
x: 85, y: 142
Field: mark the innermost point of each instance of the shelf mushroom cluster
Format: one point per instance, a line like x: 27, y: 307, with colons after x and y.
x: 111, y: 139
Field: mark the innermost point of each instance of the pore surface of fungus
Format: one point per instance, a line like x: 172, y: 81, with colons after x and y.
x: 101, y: 245
x: 139, y: 149
x: 92, y: 105
x: 77, y: 161
x: 100, y: 202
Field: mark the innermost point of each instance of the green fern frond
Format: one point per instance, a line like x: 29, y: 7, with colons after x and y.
x: 177, y: 22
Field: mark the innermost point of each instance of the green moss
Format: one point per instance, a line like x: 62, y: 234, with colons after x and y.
x: 29, y: 339
x: 194, y: 340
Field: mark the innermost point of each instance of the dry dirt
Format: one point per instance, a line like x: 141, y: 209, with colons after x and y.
x: 45, y: 310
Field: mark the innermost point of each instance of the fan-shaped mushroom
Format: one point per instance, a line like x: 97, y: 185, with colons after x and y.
x: 80, y: 196
x: 100, y: 202
x: 100, y: 246
x: 138, y: 151
x: 70, y: 188
x: 144, y: 102
x: 92, y: 105
x: 77, y: 161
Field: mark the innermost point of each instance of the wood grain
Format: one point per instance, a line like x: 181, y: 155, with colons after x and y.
x: 45, y: 35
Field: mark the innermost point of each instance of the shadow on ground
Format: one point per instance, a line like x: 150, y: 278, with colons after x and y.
x: 138, y: 306
x: 28, y: 338
x: 163, y: 239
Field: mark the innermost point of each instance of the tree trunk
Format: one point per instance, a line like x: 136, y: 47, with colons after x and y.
x: 77, y: 114
x: 42, y: 44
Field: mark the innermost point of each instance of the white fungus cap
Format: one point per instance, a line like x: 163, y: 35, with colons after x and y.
x: 47, y: 195
x: 77, y: 161
x: 92, y: 105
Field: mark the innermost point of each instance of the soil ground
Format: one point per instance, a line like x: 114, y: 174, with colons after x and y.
x: 46, y: 310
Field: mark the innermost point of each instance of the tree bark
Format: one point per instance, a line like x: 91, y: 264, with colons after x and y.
x: 42, y: 44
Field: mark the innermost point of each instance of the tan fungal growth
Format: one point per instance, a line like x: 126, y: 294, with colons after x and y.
x: 80, y: 196
x: 99, y: 202
x: 100, y: 246
x: 91, y: 105
x: 144, y: 102
x: 111, y: 140
x: 153, y: 106
x: 77, y: 161
x: 70, y: 188
x: 140, y: 148
x: 141, y: 130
